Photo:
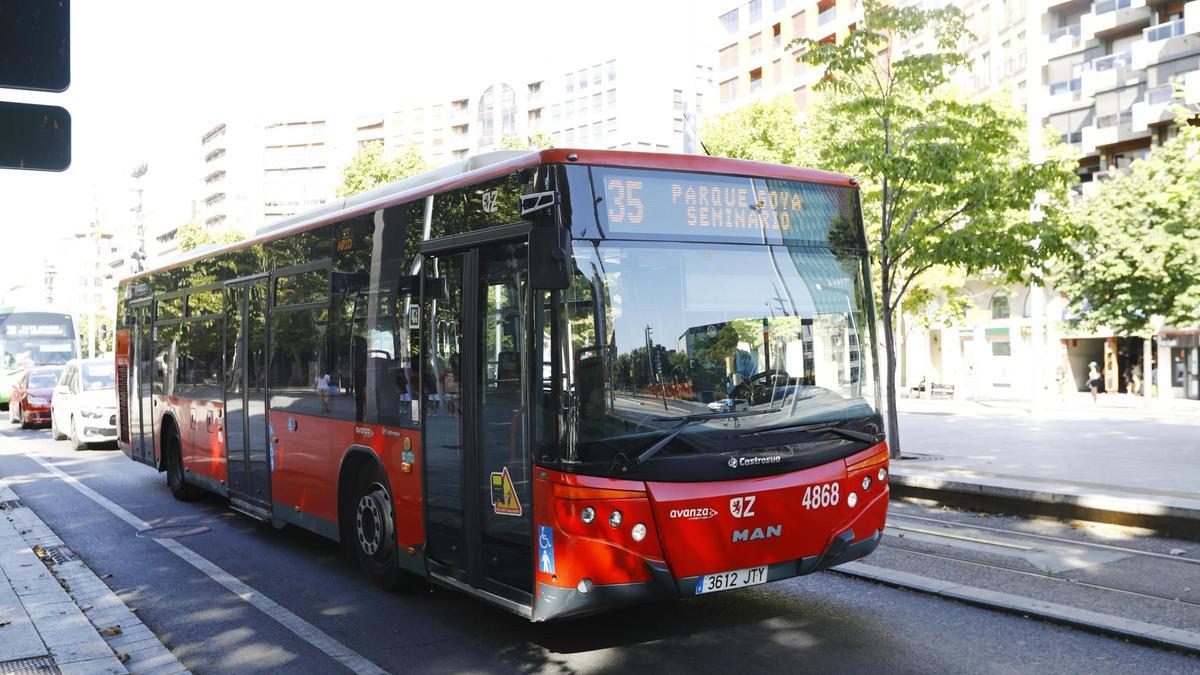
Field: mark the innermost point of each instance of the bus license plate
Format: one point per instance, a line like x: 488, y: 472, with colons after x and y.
x: 723, y: 581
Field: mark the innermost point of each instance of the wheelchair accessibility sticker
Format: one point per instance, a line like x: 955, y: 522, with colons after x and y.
x: 546, y: 549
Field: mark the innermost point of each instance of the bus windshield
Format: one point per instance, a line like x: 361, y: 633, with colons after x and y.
x: 36, y: 339
x: 711, y: 344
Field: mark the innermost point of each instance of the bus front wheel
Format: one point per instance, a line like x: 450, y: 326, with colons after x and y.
x: 373, y: 533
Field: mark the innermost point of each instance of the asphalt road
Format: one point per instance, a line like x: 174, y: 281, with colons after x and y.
x: 815, y: 624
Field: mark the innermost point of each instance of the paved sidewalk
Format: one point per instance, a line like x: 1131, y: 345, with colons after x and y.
x: 56, y: 615
x: 1108, y: 461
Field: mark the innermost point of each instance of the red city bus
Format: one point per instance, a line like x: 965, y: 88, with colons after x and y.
x: 560, y: 381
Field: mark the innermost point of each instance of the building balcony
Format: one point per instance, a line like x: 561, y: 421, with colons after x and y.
x: 1155, y: 108
x: 1048, y: 5
x: 1110, y: 130
x: 1191, y: 88
x: 1107, y: 72
x: 1064, y: 41
x: 1108, y: 16
x: 1065, y: 95
x: 1162, y: 42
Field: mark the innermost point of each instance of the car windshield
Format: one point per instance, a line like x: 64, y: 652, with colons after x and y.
x: 44, y: 379
x: 97, y: 375
x: 655, y: 334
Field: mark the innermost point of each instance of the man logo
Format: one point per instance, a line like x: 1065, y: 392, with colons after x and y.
x: 742, y: 507
x: 770, y: 532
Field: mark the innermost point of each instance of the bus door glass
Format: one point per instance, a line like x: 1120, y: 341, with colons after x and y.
x: 478, y: 490
x: 246, y: 439
x: 141, y: 358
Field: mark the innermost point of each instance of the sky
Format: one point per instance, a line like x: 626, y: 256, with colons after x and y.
x: 148, y: 76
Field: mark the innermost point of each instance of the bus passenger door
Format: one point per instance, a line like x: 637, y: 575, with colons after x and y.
x: 478, y: 488
x: 141, y: 361
x: 246, y: 438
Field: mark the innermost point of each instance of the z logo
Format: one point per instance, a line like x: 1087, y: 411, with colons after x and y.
x: 742, y: 507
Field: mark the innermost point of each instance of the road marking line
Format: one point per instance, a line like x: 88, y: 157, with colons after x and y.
x: 303, y: 629
x: 947, y: 535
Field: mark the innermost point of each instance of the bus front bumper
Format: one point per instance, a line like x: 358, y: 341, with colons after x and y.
x: 554, y: 602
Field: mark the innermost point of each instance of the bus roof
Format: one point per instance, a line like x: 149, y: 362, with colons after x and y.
x: 478, y: 168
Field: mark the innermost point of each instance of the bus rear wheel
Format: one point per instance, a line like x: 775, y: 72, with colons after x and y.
x: 372, y: 532
x: 174, y: 459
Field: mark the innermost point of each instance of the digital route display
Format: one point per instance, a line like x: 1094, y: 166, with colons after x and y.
x: 691, y: 204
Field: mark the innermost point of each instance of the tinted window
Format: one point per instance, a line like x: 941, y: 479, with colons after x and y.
x: 297, y: 289
x: 300, y: 380
x: 97, y: 375
x: 204, y: 302
x: 170, y: 308
x: 166, y: 358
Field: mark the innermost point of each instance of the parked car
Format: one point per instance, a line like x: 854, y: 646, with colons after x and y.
x: 29, y: 403
x: 85, y: 403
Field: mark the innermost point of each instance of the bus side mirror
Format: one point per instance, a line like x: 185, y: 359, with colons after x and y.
x: 549, y: 258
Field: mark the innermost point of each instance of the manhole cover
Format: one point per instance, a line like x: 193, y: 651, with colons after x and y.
x: 172, y: 532
x: 38, y: 664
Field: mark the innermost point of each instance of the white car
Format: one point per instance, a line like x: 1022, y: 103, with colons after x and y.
x: 84, y: 407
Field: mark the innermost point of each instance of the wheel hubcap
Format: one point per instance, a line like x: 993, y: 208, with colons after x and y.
x: 369, y: 521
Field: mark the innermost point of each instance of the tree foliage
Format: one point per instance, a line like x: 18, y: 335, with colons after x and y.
x: 535, y: 141
x: 764, y: 131
x: 369, y: 168
x: 193, y: 234
x: 946, y: 181
x: 1139, y: 243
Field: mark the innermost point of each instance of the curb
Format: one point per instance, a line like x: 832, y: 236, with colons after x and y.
x: 1130, y: 629
x: 1172, y: 515
x: 104, y: 636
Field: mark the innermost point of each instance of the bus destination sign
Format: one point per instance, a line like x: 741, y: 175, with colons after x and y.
x: 27, y: 330
x: 663, y: 202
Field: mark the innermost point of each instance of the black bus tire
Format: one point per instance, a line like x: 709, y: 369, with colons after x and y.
x: 180, y: 489
x: 372, y: 531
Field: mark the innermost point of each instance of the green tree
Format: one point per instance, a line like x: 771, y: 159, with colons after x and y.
x: 535, y: 141
x: 946, y: 181
x: 1140, y: 243
x: 764, y: 131
x: 369, y: 168
x: 193, y: 234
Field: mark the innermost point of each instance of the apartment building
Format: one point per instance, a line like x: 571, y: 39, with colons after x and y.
x: 1112, y: 68
x: 754, y: 59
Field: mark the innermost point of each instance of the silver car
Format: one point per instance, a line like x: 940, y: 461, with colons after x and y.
x: 84, y: 407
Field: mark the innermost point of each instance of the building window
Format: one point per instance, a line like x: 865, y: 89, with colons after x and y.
x: 730, y: 21
x: 729, y: 90
x: 779, y: 5
x: 755, y: 80
x: 800, y: 96
x: 612, y: 70
x: 798, y: 29
x: 677, y: 96
x: 1001, y: 348
x: 999, y: 305
x: 535, y: 88
x: 777, y: 71
x: 597, y: 75
x: 612, y: 99
x: 755, y: 45
x: 570, y: 82
x: 728, y: 57
x: 755, y: 7
x: 777, y: 36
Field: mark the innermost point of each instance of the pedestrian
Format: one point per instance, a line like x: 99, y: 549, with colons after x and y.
x: 1094, y: 381
x: 1060, y: 378
x: 1135, y: 379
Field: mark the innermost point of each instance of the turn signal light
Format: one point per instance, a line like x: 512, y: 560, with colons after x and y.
x: 614, y: 520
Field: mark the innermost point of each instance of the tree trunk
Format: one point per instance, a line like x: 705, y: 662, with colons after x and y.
x: 889, y: 342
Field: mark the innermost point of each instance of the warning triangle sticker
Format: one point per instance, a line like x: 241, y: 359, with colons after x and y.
x: 504, y: 495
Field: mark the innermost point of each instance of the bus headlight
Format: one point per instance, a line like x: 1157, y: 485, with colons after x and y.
x: 882, y: 474
x: 614, y: 519
x: 851, y: 500
x: 638, y: 532
x: 866, y: 483
x: 587, y: 515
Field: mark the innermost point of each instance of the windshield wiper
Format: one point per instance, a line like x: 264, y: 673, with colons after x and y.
x: 824, y: 427
x: 622, y: 461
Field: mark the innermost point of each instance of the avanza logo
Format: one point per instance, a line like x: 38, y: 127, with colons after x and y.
x: 742, y: 507
x: 757, y: 533
x: 694, y: 514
